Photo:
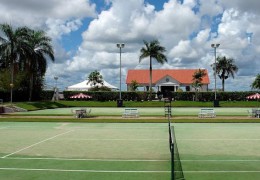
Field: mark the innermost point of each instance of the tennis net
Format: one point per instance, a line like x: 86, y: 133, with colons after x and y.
x: 176, y: 167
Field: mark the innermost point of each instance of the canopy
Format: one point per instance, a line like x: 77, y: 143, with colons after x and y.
x: 85, y: 86
x: 80, y: 96
x: 254, y: 96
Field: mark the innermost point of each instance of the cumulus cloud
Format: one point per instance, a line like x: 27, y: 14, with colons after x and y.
x: 186, y: 28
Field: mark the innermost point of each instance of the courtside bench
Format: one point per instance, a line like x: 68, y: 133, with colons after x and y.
x: 207, y: 113
x: 130, y: 113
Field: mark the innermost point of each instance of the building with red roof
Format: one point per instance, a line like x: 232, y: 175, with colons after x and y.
x: 166, y: 79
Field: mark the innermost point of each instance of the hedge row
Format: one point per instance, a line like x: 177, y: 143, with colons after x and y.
x: 19, y: 96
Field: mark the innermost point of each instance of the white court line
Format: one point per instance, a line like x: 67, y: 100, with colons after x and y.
x: 218, y: 139
x: 220, y: 160
x: 81, y: 170
x: 221, y: 171
x: 104, y: 160
x: 135, y: 160
x: 107, y: 171
x: 36, y: 143
x: 81, y: 139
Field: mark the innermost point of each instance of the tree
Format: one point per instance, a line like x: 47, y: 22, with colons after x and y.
x: 197, y: 78
x: 256, y: 83
x: 95, y: 78
x: 36, y: 57
x: 225, y: 67
x: 25, y: 50
x: 5, y: 80
x: 134, y: 85
x: 13, y: 45
x: 153, y: 50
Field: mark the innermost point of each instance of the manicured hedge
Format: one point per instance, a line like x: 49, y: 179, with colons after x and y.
x: 19, y: 96
x: 111, y: 95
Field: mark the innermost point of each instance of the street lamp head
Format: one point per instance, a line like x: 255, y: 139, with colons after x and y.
x: 215, y: 45
x: 120, y: 45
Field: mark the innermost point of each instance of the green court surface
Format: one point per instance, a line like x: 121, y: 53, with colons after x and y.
x: 129, y: 151
x: 219, y: 151
x: 84, y: 151
x: 104, y: 111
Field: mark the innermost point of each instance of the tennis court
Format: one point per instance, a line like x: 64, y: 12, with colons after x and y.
x: 111, y: 151
x: 219, y: 151
x: 84, y: 151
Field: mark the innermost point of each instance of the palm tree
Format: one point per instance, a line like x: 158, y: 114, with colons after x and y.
x: 153, y: 50
x: 95, y: 78
x: 36, y: 59
x: 134, y: 85
x: 197, y: 80
x: 12, y: 47
x: 225, y: 68
x: 256, y: 83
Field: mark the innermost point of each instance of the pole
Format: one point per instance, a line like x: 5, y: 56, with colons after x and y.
x: 12, y: 83
x: 120, y: 94
x: 215, y: 46
x: 120, y: 46
x: 215, y: 73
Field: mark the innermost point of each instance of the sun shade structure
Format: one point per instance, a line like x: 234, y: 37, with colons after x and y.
x: 85, y: 86
x: 254, y: 96
x: 81, y: 96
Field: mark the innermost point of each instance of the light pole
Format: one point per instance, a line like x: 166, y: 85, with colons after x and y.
x: 12, y: 83
x: 215, y: 46
x: 120, y: 46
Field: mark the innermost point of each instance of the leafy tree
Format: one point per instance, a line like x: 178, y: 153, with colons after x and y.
x: 225, y: 67
x: 256, y: 83
x: 13, y: 45
x: 95, y: 78
x: 25, y: 50
x: 36, y: 58
x: 134, y: 85
x: 153, y: 50
x: 5, y: 80
x: 197, y: 78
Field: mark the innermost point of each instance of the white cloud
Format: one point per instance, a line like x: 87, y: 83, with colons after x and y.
x: 186, y: 34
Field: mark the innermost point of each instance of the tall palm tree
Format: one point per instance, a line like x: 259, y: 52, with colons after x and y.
x: 12, y: 47
x: 225, y: 67
x: 197, y: 78
x: 36, y: 59
x: 153, y: 50
x: 95, y: 78
x: 256, y: 83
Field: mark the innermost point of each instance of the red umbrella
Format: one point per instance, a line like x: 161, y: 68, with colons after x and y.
x: 80, y: 96
x: 254, y: 96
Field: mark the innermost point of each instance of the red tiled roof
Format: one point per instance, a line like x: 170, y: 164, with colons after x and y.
x: 184, y: 76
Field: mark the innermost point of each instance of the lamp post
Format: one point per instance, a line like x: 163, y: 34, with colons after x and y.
x: 215, y: 46
x: 120, y: 46
x: 12, y: 83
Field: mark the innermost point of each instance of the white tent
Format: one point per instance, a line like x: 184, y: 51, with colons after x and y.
x: 85, y: 86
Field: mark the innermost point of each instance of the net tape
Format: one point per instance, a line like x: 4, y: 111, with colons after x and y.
x: 177, y: 173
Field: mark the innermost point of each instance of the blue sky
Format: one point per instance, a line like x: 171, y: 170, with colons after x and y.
x: 85, y: 33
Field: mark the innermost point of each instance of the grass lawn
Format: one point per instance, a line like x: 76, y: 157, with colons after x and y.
x: 31, y: 106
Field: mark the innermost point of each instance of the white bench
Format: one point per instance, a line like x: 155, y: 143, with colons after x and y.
x: 130, y: 112
x: 207, y: 113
